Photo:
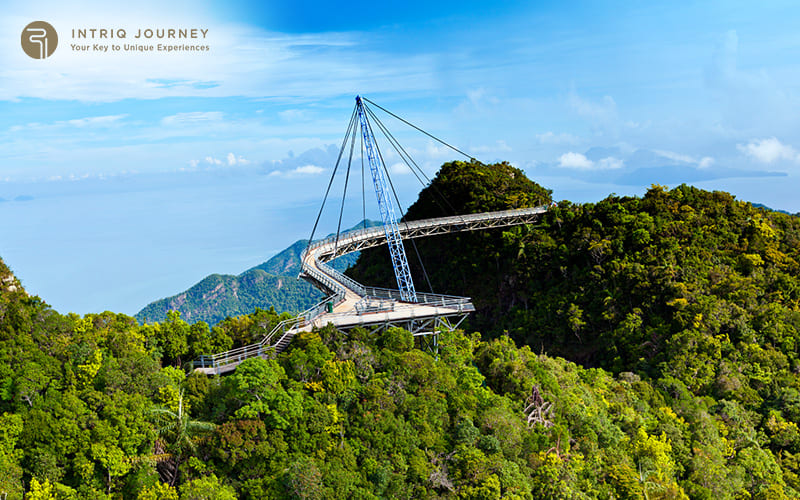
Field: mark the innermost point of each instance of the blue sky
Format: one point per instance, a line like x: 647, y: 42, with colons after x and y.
x: 130, y: 176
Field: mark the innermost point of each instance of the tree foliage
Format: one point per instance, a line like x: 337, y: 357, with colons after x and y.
x: 638, y: 348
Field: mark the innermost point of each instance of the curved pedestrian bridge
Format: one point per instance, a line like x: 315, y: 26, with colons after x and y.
x: 350, y: 304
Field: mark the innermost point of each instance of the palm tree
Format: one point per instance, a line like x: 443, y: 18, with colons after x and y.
x: 176, y: 437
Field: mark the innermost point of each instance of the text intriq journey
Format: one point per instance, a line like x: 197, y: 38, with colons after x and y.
x: 105, y: 33
x: 141, y: 35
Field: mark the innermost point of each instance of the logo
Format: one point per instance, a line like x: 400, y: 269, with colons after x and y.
x: 39, y: 40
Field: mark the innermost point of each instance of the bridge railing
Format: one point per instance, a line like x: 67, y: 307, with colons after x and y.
x: 348, y: 237
x: 335, y: 279
x: 249, y: 351
x: 398, y: 310
x: 264, y: 345
x: 427, y: 299
x: 359, y: 234
x: 368, y: 305
x: 341, y: 278
x: 338, y: 283
x: 324, y: 249
x: 233, y: 356
x: 330, y: 278
x: 386, y: 293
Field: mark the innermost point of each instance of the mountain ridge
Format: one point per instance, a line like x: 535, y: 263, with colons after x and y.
x: 271, y: 284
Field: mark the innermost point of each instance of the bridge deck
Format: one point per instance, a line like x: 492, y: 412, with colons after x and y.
x: 352, y: 304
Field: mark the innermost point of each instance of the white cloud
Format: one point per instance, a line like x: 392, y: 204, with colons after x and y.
x: 231, y: 160
x: 478, y: 100
x: 236, y: 160
x: 755, y: 95
x: 705, y: 162
x: 191, y: 118
x: 294, y: 115
x: 581, y: 162
x: 309, y: 170
x: 610, y: 163
x: 604, y: 110
x: 574, y: 160
x: 551, y: 138
x: 671, y: 155
x: 304, y: 170
x: 88, y: 122
x: 480, y: 97
x: 769, y: 150
x: 243, y: 60
x: 96, y: 121
x: 400, y: 169
x: 436, y: 151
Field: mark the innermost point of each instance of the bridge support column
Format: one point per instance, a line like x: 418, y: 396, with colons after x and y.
x: 429, y: 343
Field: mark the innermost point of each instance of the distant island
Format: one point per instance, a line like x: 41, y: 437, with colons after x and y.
x: 272, y: 284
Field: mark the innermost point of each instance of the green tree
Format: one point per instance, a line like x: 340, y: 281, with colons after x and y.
x: 173, y: 336
x: 179, y: 433
x: 113, y: 460
x: 304, y: 480
x: 256, y: 387
x: 206, y: 488
x: 11, y: 479
x: 158, y: 491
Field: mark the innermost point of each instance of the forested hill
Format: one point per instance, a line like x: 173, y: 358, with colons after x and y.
x: 681, y: 285
x: 669, y: 282
x: 479, y: 264
x: 679, y: 311
x: 271, y: 284
x: 8, y: 282
x: 97, y: 408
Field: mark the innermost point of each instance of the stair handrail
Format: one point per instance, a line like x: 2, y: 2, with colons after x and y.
x: 261, y: 347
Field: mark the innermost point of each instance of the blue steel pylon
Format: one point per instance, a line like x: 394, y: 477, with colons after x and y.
x: 396, y: 249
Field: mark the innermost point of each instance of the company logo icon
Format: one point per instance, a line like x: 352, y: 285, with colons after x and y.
x: 39, y: 40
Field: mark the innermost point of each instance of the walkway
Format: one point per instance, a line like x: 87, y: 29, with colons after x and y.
x: 351, y: 304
